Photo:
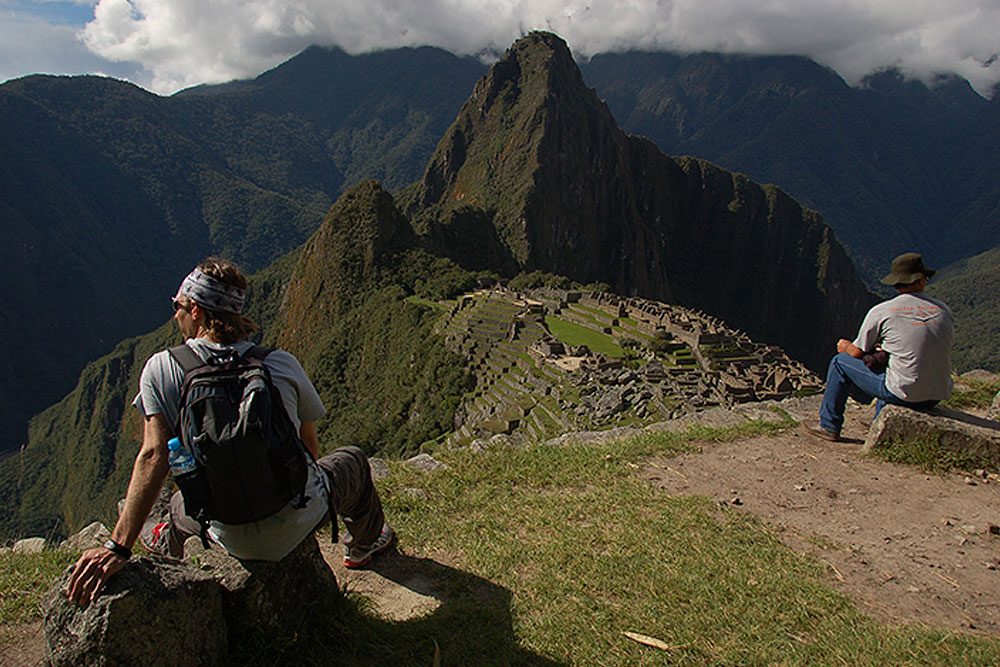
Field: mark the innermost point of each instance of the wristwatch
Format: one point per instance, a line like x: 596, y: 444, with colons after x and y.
x: 122, y: 552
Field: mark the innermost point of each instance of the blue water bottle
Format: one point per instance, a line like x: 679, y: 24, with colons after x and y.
x: 180, y: 459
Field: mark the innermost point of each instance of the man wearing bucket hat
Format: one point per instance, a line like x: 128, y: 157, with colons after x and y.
x: 916, y: 333
x: 208, y: 311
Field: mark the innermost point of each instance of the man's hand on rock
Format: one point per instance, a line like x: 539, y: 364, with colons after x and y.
x: 90, y: 574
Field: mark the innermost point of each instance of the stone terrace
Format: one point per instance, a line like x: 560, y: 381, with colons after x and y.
x: 531, y: 386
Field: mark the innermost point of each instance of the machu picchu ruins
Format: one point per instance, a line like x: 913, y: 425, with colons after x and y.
x: 547, y: 361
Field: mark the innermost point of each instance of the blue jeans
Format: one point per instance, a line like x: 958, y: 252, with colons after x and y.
x: 847, y: 376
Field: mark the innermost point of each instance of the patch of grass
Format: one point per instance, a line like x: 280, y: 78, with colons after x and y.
x: 931, y: 455
x: 584, y: 550
x: 24, y: 578
x: 430, y: 303
x: 575, y: 334
x: 972, y: 394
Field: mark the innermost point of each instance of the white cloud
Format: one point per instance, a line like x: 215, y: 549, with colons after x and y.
x: 183, y: 42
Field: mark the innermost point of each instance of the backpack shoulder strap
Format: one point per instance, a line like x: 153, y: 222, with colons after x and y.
x: 258, y: 352
x: 186, y: 357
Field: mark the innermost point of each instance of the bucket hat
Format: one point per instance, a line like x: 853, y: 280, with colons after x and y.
x: 906, y: 269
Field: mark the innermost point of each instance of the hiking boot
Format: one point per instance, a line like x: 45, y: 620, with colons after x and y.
x: 823, y: 434
x: 359, y: 556
x: 156, y: 537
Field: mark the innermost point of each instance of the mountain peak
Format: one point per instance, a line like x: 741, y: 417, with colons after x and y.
x: 342, y: 257
x: 524, y: 117
x: 535, y: 174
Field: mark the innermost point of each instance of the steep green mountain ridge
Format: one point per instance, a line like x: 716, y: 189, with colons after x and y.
x: 970, y: 289
x: 538, y: 173
x: 100, y: 178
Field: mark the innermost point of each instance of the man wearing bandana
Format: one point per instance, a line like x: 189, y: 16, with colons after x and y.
x: 208, y: 311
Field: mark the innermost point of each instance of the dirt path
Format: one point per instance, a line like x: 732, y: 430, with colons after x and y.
x: 399, y: 587
x: 22, y: 645
x: 905, y: 545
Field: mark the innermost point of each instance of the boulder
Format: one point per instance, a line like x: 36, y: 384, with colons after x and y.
x: 971, y: 438
x: 379, y: 468
x: 164, y: 611
x: 270, y: 597
x: 91, y: 536
x: 425, y: 462
x: 979, y: 375
x: 994, y: 411
x: 29, y: 545
x: 157, y: 611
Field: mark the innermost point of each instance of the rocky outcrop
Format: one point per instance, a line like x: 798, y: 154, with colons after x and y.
x: 161, y: 611
x: 994, y: 411
x: 29, y: 545
x: 156, y: 611
x: 268, y: 597
x: 537, y: 158
x: 92, y: 535
x: 968, y: 441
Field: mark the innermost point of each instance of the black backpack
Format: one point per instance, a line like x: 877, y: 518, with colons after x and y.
x: 250, y: 460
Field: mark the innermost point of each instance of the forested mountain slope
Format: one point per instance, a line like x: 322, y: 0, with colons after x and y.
x: 109, y: 194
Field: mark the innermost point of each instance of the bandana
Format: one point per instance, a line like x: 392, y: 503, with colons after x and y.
x: 211, y: 293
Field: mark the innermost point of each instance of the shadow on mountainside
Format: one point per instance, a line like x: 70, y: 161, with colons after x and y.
x: 399, y: 612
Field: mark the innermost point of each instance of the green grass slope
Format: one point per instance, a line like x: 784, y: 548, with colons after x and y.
x: 970, y: 289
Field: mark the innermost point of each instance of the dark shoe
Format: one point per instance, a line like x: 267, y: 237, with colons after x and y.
x: 355, y: 557
x: 823, y: 434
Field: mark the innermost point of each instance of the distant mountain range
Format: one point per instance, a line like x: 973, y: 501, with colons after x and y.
x: 109, y: 193
x: 534, y: 174
x: 891, y: 165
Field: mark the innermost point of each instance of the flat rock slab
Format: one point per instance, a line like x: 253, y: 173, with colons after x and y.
x: 968, y: 436
x: 29, y: 545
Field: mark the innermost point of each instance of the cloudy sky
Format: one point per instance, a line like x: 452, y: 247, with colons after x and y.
x: 165, y: 45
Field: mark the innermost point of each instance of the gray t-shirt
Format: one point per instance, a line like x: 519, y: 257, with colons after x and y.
x: 917, y: 332
x: 274, y: 537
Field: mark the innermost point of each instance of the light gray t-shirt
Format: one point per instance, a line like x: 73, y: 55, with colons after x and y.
x: 272, y: 538
x: 917, y: 332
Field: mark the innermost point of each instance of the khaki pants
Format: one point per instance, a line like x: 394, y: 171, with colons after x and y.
x: 353, y: 498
